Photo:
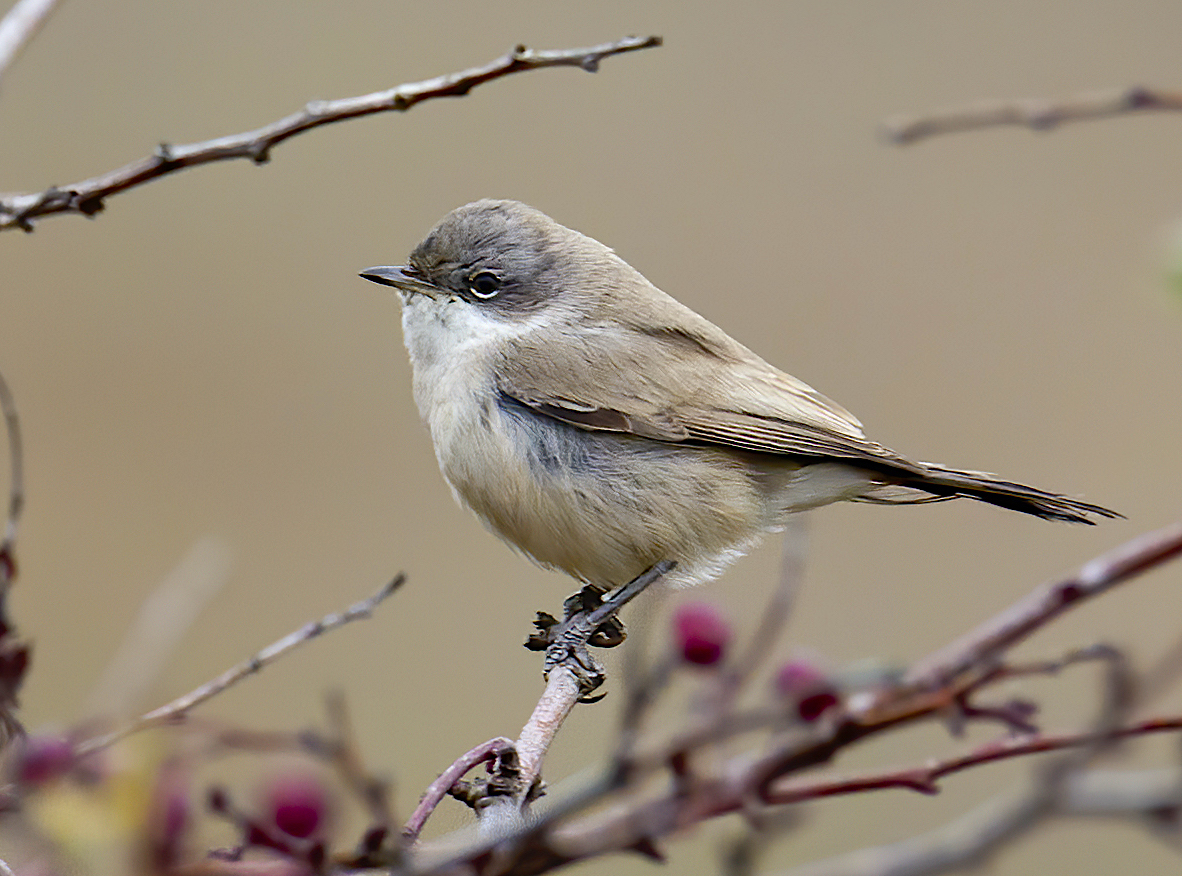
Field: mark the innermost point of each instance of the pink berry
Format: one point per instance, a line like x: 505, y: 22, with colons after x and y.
x: 298, y: 804
x: 701, y: 633
x: 43, y: 758
x: 805, y: 684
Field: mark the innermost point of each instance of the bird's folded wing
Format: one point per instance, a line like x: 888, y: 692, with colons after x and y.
x: 604, y: 385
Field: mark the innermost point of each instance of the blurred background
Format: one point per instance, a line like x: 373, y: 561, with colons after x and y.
x: 201, y: 360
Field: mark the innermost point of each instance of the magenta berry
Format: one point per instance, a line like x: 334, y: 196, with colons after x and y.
x: 701, y: 633
x: 298, y: 804
x: 43, y: 758
x: 807, y: 686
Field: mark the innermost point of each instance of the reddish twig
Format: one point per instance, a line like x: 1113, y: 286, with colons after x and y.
x: 925, y: 779
x: 492, y: 750
x: 972, y: 841
x: 1038, y: 114
x: 87, y: 197
x: 572, y: 674
x: 14, y: 654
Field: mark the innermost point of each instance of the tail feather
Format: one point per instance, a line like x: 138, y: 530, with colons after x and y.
x: 934, y: 483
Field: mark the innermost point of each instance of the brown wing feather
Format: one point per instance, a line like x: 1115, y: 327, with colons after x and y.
x: 758, y: 408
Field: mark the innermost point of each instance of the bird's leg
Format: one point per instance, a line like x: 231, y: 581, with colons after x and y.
x: 589, y: 619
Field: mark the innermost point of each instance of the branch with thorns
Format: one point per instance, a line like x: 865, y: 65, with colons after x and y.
x: 1037, y: 114
x: 621, y: 812
x: 88, y: 197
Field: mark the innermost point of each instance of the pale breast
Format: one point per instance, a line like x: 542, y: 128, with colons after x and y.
x: 598, y: 506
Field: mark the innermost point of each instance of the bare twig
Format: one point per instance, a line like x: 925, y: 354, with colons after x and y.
x: 1020, y: 620
x: 372, y: 791
x: 1154, y: 793
x: 1038, y: 114
x: 177, y: 709
x: 87, y: 197
x: 14, y: 654
x: 19, y: 25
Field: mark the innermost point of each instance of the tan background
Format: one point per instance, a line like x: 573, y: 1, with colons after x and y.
x: 202, y: 360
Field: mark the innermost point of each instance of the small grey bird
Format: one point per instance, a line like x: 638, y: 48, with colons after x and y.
x: 600, y: 426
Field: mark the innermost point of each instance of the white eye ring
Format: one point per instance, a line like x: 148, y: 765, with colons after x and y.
x: 484, y: 285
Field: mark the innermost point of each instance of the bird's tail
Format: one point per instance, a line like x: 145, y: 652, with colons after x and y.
x: 929, y: 482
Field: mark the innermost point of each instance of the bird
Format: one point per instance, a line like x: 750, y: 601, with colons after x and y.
x: 599, y: 426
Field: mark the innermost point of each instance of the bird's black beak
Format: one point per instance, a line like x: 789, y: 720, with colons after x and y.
x: 401, y: 277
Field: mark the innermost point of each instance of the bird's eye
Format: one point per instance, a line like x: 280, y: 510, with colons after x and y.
x: 484, y: 284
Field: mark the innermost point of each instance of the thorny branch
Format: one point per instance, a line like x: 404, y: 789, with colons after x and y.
x: 14, y: 653
x: 617, y: 814
x: 972, y: 841
x: 88, y: 196
x: 1038, y: 114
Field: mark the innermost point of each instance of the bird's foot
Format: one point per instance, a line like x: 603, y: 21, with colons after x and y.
x: 576, y: 607
x: 589, y: 618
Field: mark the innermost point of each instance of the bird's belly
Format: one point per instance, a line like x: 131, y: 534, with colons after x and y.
x: 599, y: 506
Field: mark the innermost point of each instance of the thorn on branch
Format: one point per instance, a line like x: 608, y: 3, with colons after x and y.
x: 1138, y: 97
x: 372, y: 840
x: 7, y: 567
x: 90, y: 206
x: 1014, y: 715
x: 649, y: 849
